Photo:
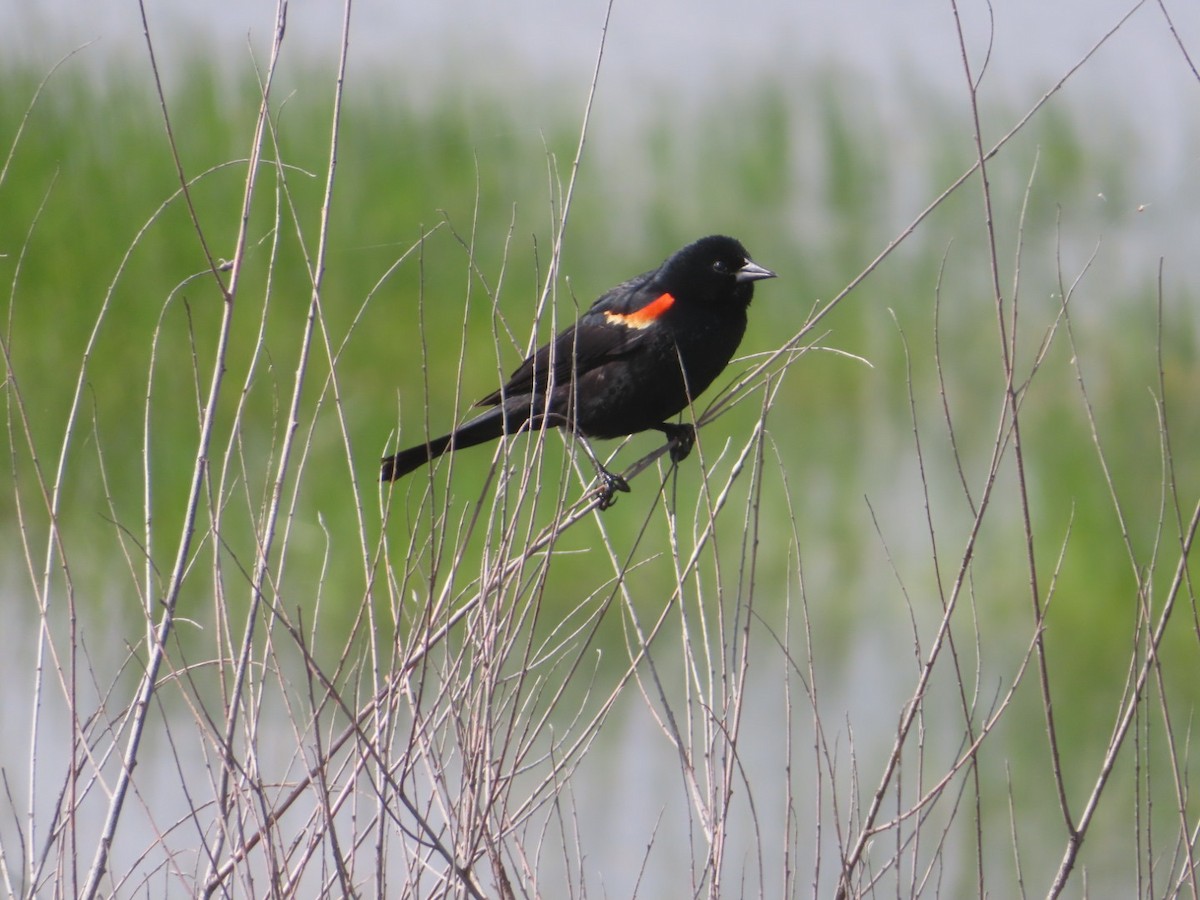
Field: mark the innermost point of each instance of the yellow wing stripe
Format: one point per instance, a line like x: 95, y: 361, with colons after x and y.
x: 644, y: 317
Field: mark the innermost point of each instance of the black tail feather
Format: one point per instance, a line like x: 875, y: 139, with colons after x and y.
x: 480, y: 430
x: 406, y: 461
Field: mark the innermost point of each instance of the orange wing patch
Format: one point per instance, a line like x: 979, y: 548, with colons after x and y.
x: 644, y: 317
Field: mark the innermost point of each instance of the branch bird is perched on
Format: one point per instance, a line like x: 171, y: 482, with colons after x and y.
x: 636, y: 358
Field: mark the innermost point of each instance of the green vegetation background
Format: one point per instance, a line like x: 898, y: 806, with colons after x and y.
x: 815, y: 188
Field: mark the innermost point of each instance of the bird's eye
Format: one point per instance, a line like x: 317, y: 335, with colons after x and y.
x: 720, y: 267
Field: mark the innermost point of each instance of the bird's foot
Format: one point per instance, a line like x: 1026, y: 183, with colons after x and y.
x: 609, y: 485
x: 680, y: 439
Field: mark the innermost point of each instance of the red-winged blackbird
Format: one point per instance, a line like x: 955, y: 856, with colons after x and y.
x: 637, y: 357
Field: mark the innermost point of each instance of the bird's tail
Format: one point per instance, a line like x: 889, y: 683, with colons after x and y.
x: 479, y: 430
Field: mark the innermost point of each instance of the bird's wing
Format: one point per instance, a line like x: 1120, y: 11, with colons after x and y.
x: 613, y: 326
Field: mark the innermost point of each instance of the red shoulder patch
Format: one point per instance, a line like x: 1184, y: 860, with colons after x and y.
x: 644, y: 317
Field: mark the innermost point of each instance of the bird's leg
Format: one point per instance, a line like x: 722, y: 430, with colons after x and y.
x: 680, y: 439
x: 610, y: 482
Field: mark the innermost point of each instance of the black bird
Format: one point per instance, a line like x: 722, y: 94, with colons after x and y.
x: 636, y: 358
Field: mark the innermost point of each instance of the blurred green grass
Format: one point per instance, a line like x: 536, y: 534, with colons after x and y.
x: 809, y: 184
x: 815, y: 185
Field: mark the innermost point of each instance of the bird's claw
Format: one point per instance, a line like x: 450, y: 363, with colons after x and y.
x: 609, y: 485
x: 680, y: 439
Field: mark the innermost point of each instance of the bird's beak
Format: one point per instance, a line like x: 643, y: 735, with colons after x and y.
x: 752, y: 271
